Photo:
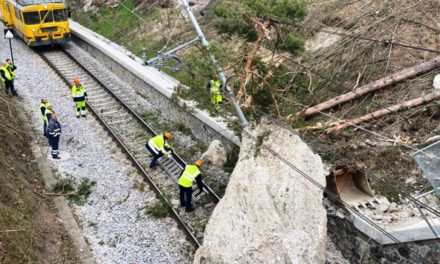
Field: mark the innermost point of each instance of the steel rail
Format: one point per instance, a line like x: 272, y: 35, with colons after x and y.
x: 188, y: 230
x: 137, y: 117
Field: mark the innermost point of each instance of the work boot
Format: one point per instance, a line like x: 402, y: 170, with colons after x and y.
x: 55, y: 157
x: 190, y: 210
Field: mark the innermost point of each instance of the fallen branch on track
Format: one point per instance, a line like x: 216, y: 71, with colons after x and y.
x: 376, y: 85
x: 384, y: 111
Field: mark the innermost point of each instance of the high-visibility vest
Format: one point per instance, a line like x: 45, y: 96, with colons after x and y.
x: 48, y: 111
x: 7, y: 74
x: 189, y: 176
x: 216, y: 96
x: 158, y: 144
x: 78, y: 92
x: 43, y: 114
x: 215, y: 87
x: 13, y: 74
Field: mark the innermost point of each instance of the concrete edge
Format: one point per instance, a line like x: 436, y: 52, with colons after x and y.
x: 416, y: 232
x: 161, y: 82
x: 63, y: 209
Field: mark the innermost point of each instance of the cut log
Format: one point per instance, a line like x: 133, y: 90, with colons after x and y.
x: 376, y: 85
x: 384, y: 111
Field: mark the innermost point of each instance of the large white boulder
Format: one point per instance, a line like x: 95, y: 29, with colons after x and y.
x: 436, y: 82
x: 269, y: 213
x: 216, y: 153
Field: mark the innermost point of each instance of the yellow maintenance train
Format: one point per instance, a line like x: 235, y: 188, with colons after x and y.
x: 37, y: 22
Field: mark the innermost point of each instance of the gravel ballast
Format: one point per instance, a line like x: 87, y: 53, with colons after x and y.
x: 112, y: 220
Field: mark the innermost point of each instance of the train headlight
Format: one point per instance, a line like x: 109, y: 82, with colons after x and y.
x: 33, y: 30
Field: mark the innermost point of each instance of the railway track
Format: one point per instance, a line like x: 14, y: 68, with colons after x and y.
x: 131, y: 133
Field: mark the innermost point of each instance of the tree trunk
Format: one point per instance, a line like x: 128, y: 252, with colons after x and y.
x: 376, y: 85
x: 247, y: 71
x: 384, y: 111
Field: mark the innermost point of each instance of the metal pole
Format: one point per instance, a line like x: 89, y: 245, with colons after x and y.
x: 12, y: 56
x: 220, y: 71
x: 184, y: 45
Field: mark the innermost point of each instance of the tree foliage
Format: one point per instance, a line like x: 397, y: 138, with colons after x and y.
x: 246, y: 17
x: 264, y: 24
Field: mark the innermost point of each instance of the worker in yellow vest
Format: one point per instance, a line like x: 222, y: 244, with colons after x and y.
x: 79, y: 97
x: 43, y: 107
x: 158, y: 146
x: 190, y: 175
x: 214, y: 87
x: 11, y: 67
x: 7, y: 78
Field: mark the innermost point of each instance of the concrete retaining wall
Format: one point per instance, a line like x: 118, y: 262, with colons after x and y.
x: 360, y: 248
x: 154, y: 85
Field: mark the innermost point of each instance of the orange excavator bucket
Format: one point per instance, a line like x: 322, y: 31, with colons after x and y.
x: 350, y: 185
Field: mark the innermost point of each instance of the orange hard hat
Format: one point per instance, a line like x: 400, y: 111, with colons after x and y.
x: 168, y: 135
x: 199, y: 163
x: 76, y: 81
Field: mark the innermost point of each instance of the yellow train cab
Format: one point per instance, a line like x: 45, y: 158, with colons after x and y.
x: 37, y: 22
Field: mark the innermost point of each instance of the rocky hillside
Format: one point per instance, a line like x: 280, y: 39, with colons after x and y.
x: 347, y: 46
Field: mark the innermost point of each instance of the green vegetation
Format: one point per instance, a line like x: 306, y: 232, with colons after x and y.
x: 76, y: 193
x: 159, y: 209
x: 113, y: 23
x: 231, y: 159
x: 63, y: 186
x: 139, y: 185
x: 260, y: 140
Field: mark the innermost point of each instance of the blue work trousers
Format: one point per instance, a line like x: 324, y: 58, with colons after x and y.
x: 155, y: 157
x: 54, y: 143
x: 186, y: 197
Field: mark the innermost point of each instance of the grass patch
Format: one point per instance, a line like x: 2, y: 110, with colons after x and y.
x: 159, y: 209
x: 113, y: 23
x: 182, y: 128
x: 139, y: 185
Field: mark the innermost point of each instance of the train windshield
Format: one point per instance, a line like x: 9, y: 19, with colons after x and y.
x: 59, y: 15
x: 31, y: 18
x: 47, y: 16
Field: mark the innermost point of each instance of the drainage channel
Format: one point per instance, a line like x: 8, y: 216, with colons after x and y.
x: 131, y: 133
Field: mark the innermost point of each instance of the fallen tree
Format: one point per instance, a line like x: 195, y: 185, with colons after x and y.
x: 384, y: 111
x: 376, y: 85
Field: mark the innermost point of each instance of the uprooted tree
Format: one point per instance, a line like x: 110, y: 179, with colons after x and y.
x: 268, y: 28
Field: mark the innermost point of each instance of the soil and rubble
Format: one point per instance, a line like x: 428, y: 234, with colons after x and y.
x: 112, y: 219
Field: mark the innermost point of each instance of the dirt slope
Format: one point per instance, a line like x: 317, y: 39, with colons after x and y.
x: 30, y: 231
